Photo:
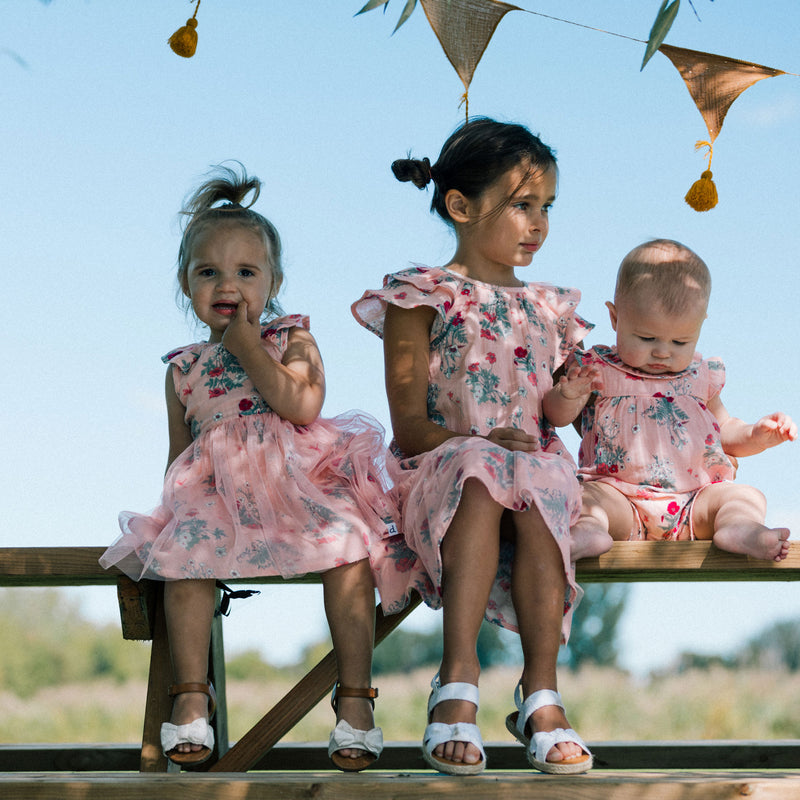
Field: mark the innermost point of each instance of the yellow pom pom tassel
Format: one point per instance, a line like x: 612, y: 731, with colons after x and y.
x: 184, y: 41
x: 703, y: 194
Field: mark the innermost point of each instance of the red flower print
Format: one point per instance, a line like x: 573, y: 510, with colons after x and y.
x: 457, y: 319
x: 716, y: 427
x: 673, y: 508
x: 521, y: 352
x: 216, y: 372
x: 400, y: 296
x: 465, y: 290
x: 473, y: 367
x: 447, y: 305
x: 491, y: 358
x: 245, y: 405
x: 709, y: 439
x: 487, y: 334
x: 218, y: 391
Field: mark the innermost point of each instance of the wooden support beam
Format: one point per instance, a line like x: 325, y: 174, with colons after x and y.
x: 294, y: 705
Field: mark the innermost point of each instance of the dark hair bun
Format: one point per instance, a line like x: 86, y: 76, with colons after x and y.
x: 414, y: 170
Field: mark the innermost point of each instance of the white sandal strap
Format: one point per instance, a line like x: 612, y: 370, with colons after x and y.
x: 344, y: 735
x: 196, y: 732
x: 439, y: 732
x: 452, y: 691
x: 533, y: 702
x: 543, y: 742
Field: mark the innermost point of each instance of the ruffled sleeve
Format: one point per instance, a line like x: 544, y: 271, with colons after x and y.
x: 184, y: 357
x: 716, y: 376
x: 571, y: 329
x: 276, y: 331
x: 410, y: 288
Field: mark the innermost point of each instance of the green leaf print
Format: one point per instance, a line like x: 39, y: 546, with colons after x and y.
x: 223, y: 372
x: 664, y: 413
x: 190, y: 532
x: 483, y: 383
x: 448, y: 342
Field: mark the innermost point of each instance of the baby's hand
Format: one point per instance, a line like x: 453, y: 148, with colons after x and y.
x: 774, y: 429
x: 579, y: 382
x: 242, y: 332
x: 513, y: 439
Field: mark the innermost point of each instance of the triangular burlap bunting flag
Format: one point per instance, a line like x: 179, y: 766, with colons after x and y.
x: 714, y: 82
x: 464, y: 28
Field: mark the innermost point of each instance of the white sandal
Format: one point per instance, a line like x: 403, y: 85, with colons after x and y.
x: 196, y: 732
x: 437, y: 733
x: 345, y: 736
x: 543, y: 741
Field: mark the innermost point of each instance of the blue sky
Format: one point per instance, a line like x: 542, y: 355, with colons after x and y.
x: 103, y: 130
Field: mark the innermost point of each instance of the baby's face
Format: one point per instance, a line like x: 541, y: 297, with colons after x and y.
x: 653, y: 341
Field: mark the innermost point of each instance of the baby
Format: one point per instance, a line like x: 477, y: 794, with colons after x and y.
x: 658, y: 449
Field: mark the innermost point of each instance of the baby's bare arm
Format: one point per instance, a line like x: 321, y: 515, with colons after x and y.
x: 740, y: 438
x: 563, y: 403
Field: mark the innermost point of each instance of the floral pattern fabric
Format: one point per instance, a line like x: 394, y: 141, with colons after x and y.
x: 493, y: 351
x: 653, y: 438
x: 256, y: 495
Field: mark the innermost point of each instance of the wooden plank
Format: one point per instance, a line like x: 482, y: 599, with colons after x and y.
x: 626, y: 561
x: 527, y: 785
x: 684, y: 561
x: 781, y: 754
x: 158, y: 704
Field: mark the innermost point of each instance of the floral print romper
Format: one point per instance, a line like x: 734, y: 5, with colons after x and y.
x: 653, y: 438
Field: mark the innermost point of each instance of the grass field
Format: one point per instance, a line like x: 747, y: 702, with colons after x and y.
x: 603, y: 704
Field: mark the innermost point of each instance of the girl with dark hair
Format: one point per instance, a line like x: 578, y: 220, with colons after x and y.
x: 488, y: 491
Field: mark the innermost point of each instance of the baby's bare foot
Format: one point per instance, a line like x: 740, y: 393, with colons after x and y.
x: 588, y: 539
x: 753, y: 539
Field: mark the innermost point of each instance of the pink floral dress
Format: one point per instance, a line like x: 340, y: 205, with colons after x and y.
x: 256, y: 495
x: 493, y: 351
x: 653, y: 438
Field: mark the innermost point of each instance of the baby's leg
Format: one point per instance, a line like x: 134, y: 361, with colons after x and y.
x: 189, y: 609
x: 732, y: 515
x: 349, y: 597
x: 606, y: 516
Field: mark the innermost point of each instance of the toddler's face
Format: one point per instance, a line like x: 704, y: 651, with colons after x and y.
x: 653, y: 341
x: 229, y: 265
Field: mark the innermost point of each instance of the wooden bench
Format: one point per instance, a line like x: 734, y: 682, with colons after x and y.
x: 142, y: 618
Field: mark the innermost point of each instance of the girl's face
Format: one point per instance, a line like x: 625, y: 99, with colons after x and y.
x: 510, y: 237
x: 229, y: 265
x: 653, y: 341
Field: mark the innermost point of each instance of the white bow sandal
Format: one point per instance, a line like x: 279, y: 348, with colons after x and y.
x: 542, y: 742
x: 439, y: 732
x: 196, y: 732
x: 345, y: 736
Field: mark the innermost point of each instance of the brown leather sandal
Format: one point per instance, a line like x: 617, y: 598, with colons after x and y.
x: 196, y: 732
x: 344, y: 736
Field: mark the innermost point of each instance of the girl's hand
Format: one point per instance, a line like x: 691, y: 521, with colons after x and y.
x: 513, y: 439
x: 774, y: 429
x: 243, y: 333
x: 578, y: 382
